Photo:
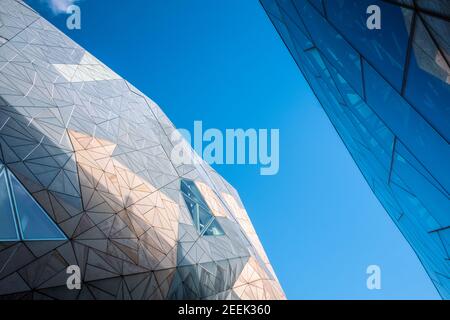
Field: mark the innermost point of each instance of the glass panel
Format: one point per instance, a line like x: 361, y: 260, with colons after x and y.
x: 332, y: 46
x: 428, y: 83
x: 202, y: 217
x: 440, y: 31
x: 407, y: 2
x: 193, y: 209
x: 205, y: 218
x: 34, y: 222
x: 319, y: 6
x: 214, y: 229
x: 8, y: 228
x: 190, y: 189
x: 294, y: 29
x: 441, y: 7
x: 291, y: 18
x: 432, y: 199
x: 385, y: 48
x: 411, y: 129
x: 271, y: 7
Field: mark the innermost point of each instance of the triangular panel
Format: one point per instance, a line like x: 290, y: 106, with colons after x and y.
x: 34, y: 222
x: 8, y: 227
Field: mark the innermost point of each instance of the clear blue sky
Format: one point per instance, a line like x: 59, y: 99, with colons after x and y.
x: 222, y: 62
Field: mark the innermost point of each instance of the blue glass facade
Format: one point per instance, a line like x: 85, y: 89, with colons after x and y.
x: 387, y: 93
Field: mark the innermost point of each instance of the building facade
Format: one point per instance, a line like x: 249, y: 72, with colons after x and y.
x: 92, y: 206
x: 380, y: 69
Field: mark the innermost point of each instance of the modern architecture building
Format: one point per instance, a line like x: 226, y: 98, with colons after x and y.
x: 380, y: 69
x: 92, y: 206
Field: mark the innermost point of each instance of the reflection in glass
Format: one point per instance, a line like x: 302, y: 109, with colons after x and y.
x: 33, y: 220
x: 204, y: 221
x: 8, y: 229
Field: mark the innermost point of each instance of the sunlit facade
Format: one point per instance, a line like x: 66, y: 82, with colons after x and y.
x: 87, y: 181
x: 387, y: 93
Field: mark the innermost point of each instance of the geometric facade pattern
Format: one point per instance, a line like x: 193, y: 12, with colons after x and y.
x: 93, y: 154
x: 387, y: 94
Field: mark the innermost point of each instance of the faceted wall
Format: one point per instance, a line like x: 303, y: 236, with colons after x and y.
x: 86, y: 179
x: 387, y: 93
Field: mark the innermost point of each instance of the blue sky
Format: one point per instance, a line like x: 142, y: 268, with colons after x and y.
x: 222, y: 62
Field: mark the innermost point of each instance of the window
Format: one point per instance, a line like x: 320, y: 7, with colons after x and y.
x: 8, y: 226
x: 204, y: 221
x: 21, y: 217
